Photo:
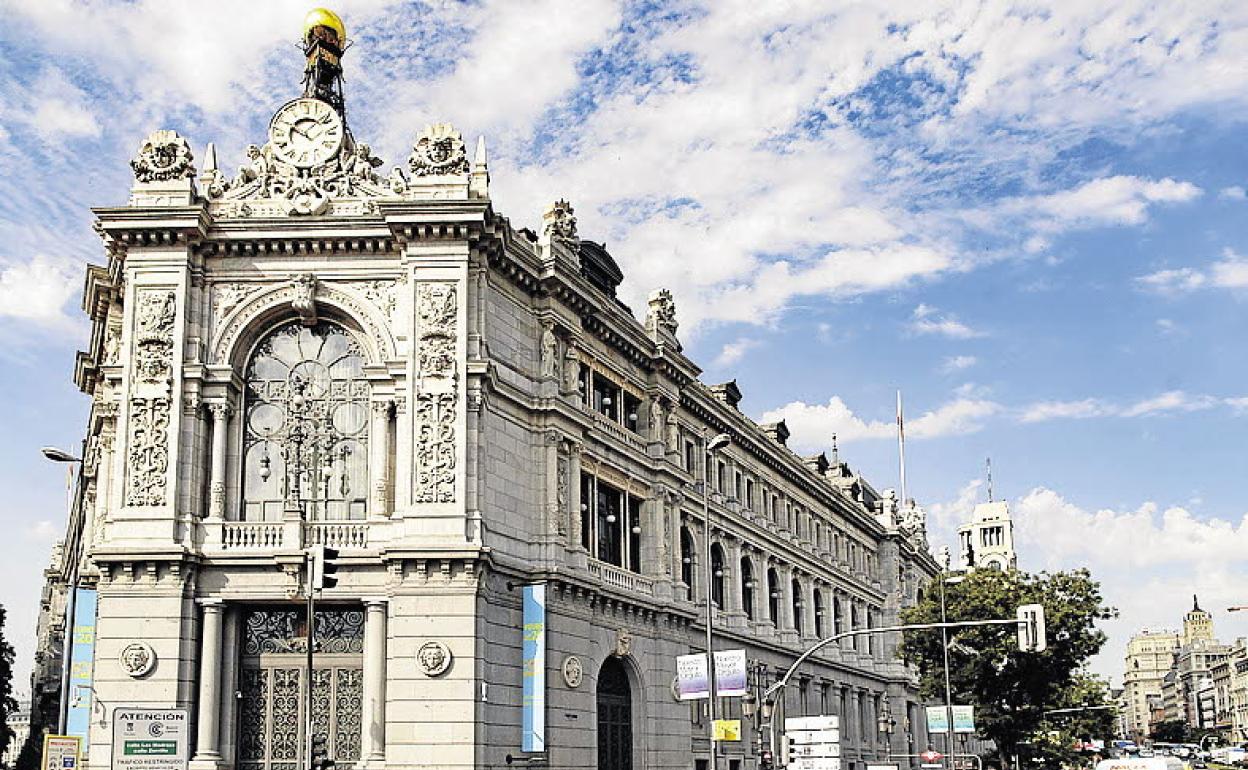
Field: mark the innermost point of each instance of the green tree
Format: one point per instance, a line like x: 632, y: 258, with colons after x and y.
x: 1172, y: 731
x: 1011, y: 690
x: 7, y: 704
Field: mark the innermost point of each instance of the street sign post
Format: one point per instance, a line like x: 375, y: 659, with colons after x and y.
x: 61, y: 752
x: 150, y: 739
x: 812, y: 743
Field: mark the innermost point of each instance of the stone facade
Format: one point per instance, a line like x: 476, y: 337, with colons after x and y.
x: 1150, y: 654
x: 326, y: 354
x: 987, y: 540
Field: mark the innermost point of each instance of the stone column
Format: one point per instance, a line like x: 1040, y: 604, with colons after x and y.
x: 733, y: 605
x: 220, y: 433
x: 373, y: 748
x: 577, y: 522
x: 207, y: 744
x: 379, y: 464
x: 232, y: 619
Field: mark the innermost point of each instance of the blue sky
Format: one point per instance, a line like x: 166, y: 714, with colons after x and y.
x: 1029, y: 216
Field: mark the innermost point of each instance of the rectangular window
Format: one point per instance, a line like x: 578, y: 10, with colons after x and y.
x: 736, y: 487
x: 691, y: 457
x: 606, y: 398
x: 587, y: 500
x: 632, y: 409
x: 749, y: 494
x: 721, y: 474
x: 825, y: 698
x: 634, y: 533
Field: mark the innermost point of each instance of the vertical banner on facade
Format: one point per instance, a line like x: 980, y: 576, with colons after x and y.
x: 81, y: 662
x: 533, y: 719
x: 730, y: 673
x: 964, y: 719
x: 937, y: 719
x: 692, y: 677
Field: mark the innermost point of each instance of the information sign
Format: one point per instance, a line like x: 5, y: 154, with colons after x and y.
x: 964, y: 719
x: 816, y: 750
x: 883, y: 767
x: 813, y: 736
x: 937, y: 719
x: 824, y: 722
x: 150, y: 739
x: 60, y: 752
x: 727, y: 729
x: 815, y: 763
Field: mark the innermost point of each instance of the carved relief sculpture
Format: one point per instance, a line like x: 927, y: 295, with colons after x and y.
x: 436, y: 306
x: 163, y: 156
x: 148, y: 453
x: 561, y: 496
x: 571, y: 370
x: 559, y: 223
x: 304, y: 301
x: 656, y: 423
x: 661, y: 312
x: 439, y: 150
x: 673, y: 432
x: 550, y: 353
x: 435, y: 447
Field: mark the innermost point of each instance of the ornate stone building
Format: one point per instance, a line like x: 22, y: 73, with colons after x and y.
x: 316, y: 351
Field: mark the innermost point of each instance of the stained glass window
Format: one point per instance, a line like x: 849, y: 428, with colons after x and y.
x: 305, y: 443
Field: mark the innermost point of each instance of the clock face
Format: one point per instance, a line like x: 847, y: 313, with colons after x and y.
x: 306, y: 133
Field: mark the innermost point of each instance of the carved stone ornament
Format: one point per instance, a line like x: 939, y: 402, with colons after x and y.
x: 436, y: 310
x: 435, y: 454
x: 559, y: 222
x: 137, y: 659
x: 148, y: 420
x: 439, y: 150
x: 573, y: 671
x: 550, y: 353
x: 434, y: 658
x: 623, y: 643
x: 304, y: 301
x: 163, y: 156
x: 661, y: 314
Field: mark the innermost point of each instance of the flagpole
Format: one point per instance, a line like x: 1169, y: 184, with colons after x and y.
x: 901, y: 448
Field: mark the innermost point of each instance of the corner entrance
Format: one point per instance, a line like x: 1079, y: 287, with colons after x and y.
x: 272, y: 687
x: 615, y: 717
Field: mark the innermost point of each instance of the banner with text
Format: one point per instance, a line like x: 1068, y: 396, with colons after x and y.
x: 81, y: 665
x: 533, y: 712
x: 730, y: 674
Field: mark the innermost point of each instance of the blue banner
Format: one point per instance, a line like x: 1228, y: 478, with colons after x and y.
x: 533, y: 718
x: 81, y: 665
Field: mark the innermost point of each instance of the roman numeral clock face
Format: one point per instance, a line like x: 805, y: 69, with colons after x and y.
x: 306, y: 133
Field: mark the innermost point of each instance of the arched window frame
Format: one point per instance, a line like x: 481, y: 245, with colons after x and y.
x: 747, y: 586
x: 718, y: 571
x: 817, y: 597
x: 688, y: 561
x: 773, y: 596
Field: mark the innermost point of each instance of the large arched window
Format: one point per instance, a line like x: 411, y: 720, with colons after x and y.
x: 773, y: 597
x: 686, y: 561
x: 305, y: 435
x: 717, y: 575
x: 797, y: 606
x: 747, y: 587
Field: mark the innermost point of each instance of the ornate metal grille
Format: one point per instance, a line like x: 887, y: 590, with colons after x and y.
x: 306, y: 429
x: 272, y: 682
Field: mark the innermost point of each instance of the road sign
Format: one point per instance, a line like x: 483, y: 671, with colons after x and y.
x: 60, y: 752
x: 815, y: 750
x: 816, y: 763
x: 931, y: 756
x: 825, y: 722
x: 150, y: 739
x: 727, y: 729
x: 814, y: 736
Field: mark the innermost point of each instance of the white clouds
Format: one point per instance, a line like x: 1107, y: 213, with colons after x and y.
x: 36, y: 291
x: 1052, y: 410
x: 42, y: 529
x: 1229, y: 272
x: 1116, y: 200
x: 928, y: 320
x: 1233, y: 193
x: 734, y: 351
x: 812, y: 425
x: 958, y: 363
x: 1170, y: 401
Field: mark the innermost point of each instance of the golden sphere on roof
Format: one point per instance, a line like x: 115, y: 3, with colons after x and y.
x: 323, y: 17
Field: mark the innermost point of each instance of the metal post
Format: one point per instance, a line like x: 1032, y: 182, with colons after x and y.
x: 709, y: 572
x: 311, y: 639
x: 944, y: 641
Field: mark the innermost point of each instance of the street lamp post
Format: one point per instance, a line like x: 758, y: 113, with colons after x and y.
x: 709, y: 448
x: 71, y: 600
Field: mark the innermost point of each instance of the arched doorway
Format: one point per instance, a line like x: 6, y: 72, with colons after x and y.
x: 615, y: 717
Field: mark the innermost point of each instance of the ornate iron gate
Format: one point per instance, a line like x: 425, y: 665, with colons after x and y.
x: 271, y: 722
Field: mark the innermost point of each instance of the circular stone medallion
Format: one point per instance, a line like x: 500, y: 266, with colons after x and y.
x: 573, y: 671
x: 137, y: 659
x: 434, y: 658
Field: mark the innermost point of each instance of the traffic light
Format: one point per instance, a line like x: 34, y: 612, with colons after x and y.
x: 786, y: 750
x: 320, y: 754
x: 324, y: 567
x: 1031, y: 633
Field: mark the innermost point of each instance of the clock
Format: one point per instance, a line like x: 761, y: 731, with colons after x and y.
x: 306, y: 133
